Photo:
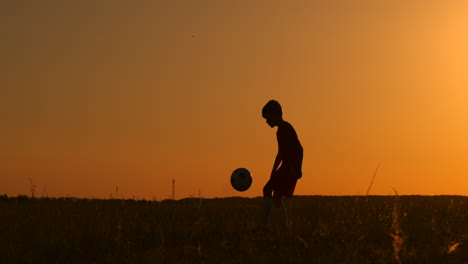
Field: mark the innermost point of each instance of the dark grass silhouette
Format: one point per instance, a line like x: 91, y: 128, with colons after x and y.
x: 346, y: 229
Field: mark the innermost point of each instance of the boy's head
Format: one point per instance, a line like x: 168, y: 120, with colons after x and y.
x: 273, y: 113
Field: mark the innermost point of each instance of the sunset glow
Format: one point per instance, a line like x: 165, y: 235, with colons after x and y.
x: 107, y: 95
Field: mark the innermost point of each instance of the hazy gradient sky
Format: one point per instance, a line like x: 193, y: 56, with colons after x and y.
x: 100, y: 94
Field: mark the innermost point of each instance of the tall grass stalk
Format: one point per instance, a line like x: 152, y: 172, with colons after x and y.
x: 397, y: 233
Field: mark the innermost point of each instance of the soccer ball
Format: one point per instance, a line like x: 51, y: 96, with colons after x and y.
x: 241, y: 179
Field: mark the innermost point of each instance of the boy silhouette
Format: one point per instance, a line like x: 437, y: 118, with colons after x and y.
x: 290, y: 153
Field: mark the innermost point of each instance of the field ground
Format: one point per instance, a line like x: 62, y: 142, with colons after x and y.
x: 324, y: 229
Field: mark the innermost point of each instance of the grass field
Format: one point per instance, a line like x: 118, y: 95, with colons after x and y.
x: 324, y: 229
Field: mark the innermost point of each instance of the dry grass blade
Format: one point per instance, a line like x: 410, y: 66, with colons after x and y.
x: 373, y: 178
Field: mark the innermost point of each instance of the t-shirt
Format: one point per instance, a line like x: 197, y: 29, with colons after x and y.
x: 289, y: 145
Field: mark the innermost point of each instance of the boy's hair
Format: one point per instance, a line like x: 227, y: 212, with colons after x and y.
x: 273, y: 108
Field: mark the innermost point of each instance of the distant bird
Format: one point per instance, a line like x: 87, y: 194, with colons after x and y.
x: 193, y: 36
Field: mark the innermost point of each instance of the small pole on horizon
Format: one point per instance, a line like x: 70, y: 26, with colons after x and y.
x: 173, y: 189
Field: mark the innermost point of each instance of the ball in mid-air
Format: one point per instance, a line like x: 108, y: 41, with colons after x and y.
x: 241, y: 179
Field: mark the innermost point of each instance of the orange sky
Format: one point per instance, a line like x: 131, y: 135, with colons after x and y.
x: 100, y: 94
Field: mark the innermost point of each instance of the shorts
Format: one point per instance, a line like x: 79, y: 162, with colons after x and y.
x: 283, y: 182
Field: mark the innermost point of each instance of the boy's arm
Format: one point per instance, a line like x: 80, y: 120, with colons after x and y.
x: 276, y: 164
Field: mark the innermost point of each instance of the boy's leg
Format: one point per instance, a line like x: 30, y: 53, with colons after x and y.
x: 267, y: 203
x: 280, y: 205
x: 284, y: 216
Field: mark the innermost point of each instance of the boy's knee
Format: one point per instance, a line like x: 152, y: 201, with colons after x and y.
x: 267, y: 191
